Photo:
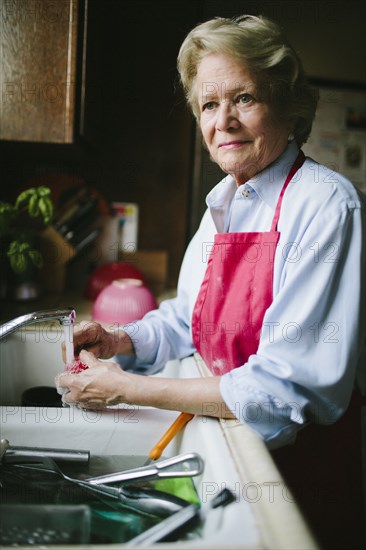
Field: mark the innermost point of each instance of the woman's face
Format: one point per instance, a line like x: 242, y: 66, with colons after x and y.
x: 242, y: 133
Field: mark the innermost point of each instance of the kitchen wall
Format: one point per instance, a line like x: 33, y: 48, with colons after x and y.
x: 328, y: 34
x: 137, y: 143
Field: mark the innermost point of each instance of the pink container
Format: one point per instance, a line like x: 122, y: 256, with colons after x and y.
x: 103, y: 275
x: 123, y: 301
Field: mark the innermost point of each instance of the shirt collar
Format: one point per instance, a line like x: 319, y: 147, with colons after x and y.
x: 219, y: 199
x: 267, y: 184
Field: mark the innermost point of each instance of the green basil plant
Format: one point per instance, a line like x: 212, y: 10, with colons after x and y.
x: 35, y: 202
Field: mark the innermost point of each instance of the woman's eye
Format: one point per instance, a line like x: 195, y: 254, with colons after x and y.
x: 209, y: 106
x: 244, y: 98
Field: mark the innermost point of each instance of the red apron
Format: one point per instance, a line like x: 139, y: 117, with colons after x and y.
x: 236, y: 292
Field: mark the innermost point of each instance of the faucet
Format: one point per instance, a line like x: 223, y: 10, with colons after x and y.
x: 66, y: 316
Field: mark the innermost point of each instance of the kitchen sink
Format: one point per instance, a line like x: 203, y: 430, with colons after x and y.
x: 263, y: 515
x: 29, y: 358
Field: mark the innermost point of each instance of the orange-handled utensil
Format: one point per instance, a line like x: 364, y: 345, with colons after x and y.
x: 171, y: 432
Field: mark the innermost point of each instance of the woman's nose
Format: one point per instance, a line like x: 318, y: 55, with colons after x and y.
x: 226, y: 116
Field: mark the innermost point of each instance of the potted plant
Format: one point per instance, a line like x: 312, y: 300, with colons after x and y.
x: 20, y: 255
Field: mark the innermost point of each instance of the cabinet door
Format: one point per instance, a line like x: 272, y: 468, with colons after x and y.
x: 38, y: 70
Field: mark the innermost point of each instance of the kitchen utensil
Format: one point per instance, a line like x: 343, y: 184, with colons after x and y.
x: 123, y: 301
x: 13, y: 454
x: 148, y: 501
x: 169, y: 525
x: 103, y: 275
x: 185, y: 465
x: 166, y: 438
x: 82, y: 212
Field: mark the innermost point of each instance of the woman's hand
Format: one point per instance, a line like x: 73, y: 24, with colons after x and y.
x: 100, y: 385
x: 93, y: 337
x: 105, y: 383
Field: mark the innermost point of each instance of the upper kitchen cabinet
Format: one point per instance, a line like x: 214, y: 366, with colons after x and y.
x: 38, y: 43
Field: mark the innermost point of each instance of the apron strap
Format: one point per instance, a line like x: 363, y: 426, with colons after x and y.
x: 294, y: 168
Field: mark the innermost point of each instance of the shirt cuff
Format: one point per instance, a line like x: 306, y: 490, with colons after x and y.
x: 260, y: 412
x: 144, y: 342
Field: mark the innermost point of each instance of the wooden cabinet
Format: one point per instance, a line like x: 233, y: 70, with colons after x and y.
x: 38, y: 42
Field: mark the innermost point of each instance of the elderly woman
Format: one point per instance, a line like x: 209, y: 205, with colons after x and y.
x: 270, y: 287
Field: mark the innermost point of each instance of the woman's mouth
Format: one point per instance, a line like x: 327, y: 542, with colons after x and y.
x: 232, y: 144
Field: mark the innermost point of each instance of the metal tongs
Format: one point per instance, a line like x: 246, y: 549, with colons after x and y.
x: 185, y: 465
x: 148, y: 501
